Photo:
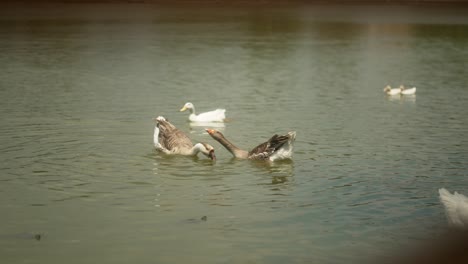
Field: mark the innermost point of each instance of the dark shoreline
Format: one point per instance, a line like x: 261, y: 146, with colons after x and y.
x: 245, y: 3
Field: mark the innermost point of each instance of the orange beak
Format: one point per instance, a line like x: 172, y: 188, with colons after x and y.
x: 210, y: 131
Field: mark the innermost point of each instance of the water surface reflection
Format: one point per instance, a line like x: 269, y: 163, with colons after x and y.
x: 80, y: 84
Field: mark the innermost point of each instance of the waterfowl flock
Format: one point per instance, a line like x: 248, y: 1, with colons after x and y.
x: 402, y: 90
x: 170, y: 140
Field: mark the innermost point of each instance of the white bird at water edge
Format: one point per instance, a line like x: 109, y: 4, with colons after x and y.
x: 456, y: 208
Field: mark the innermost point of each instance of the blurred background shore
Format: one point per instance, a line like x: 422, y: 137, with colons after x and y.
x: 248, y: 2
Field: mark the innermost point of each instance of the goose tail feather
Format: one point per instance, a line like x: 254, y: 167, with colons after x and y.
x: 456, y: 208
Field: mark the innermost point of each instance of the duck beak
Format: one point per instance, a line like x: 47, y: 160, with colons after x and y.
x: 210, y: 131
x: 183, y: 109
x: 212, y: 155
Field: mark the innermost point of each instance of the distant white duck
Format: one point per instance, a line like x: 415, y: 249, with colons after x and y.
x: 212, y: 116
x: 276, y: 148
x: 170, y: 140
x: 391, y: 91
x: 456, y: 208
x: 407, y: 91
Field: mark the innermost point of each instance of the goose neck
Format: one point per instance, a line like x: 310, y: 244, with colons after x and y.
x: 235, y: 151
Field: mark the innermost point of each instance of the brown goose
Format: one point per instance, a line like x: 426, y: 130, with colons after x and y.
x: 276, y: 148
x: 170, y: 140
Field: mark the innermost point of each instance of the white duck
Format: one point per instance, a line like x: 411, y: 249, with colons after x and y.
x: 170, y: 140
x: 407, y: 91
x: 276, y: 148
x: 456, y: 208
x: 391, y: 91
x: 212, y: 116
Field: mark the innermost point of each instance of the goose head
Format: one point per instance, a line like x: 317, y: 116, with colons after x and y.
x: 207, y: 150
x: 188, y: 106
x: 387, y: 88
x: 214, y: 133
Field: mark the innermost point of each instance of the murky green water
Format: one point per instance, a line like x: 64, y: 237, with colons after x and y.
x: 79, y: 86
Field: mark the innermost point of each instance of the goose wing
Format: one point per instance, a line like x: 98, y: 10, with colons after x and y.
x: 172, y: 138
x: 266, y: 149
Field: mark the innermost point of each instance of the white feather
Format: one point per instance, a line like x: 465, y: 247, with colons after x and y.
x: 212, y: 116
x: 391, y: 91
x: 156, y: 136
x: 409, y: 91
x: 217, y: 115
x: 456, y: 208
x: 286, y: 151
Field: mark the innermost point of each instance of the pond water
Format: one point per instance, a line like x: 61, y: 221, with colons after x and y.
x: 80, y: 84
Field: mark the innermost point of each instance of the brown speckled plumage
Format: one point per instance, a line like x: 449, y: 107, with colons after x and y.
x: 264, y: 151
x: 170, y: 140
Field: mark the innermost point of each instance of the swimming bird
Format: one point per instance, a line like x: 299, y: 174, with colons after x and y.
x: 212, y: 116
x: 391, y: 91
x: 407, y: 91
x: 170, y: 140
x: 276, y: 148
x: 456, y: 208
